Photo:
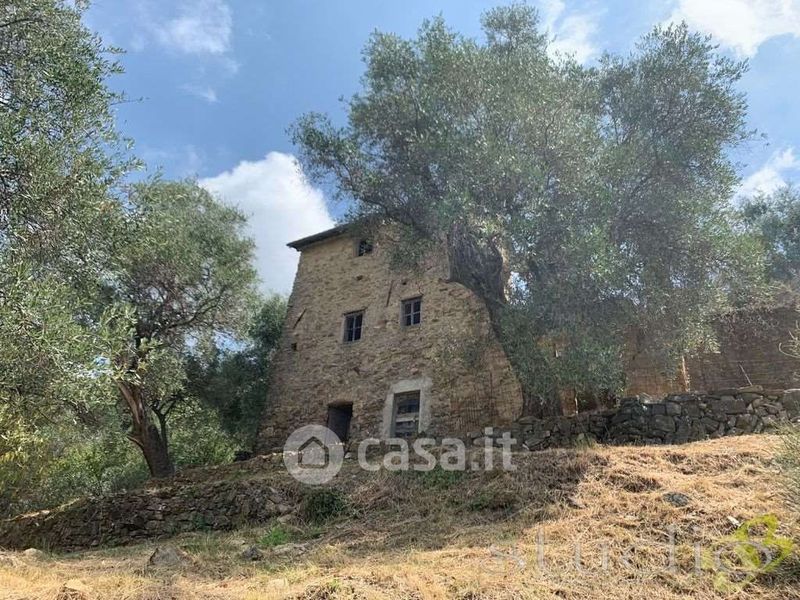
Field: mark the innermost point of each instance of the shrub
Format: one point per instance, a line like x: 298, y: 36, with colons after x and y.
x: 275, y: 537
x: 323, y: 504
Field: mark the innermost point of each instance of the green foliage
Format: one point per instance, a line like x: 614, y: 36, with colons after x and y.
x: 107, y: 291
x: 235, y: 381
x: 775, y: 219
x: 603, y: 191
x: 59, y: 157
x: 276, y: 536
x: 437, y: 478
x: 55, y: 461
x: 50, y: 463
x: 323, y: 504
x: 198, y: 438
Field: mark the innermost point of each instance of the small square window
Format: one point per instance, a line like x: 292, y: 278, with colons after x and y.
x: 406, y: 414
x: 412, y: 312
x: 363, y: 248
x: 352, y: 326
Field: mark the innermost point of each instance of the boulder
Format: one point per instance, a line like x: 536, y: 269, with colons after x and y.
x: 751, y: 389
x: 289, y: 549
x: 33, y: 553
x: 731, y: 406
x: 168, y: 556
x: 536, y: 439
x: 791, y: 402
x: 663, y: 423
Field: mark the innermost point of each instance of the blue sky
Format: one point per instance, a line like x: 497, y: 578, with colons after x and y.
x: 215, y: 83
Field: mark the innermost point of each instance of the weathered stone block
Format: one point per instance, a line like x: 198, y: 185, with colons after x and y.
x: 663, y: 423
x: 791, y: 402
x: 731, y: 406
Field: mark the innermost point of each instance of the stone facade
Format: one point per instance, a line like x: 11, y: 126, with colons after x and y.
x: 451, y: 358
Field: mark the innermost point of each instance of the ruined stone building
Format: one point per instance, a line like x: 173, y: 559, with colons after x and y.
x: 377, y: 353
x: 373, y: 352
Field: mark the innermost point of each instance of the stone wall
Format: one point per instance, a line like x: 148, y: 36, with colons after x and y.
x: 676, y: 419
x: 748, y: 353
x: 464, y: 385
x: 149, y: 513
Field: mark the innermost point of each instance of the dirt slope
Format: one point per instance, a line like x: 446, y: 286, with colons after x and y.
x: 487, y: 535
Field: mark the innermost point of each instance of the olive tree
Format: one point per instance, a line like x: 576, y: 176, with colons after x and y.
x: 579, y: 203
x: 183, y: 276
x: 60, y: 157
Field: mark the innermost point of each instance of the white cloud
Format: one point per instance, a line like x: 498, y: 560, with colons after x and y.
x: 200, y: 27
x: 741, y: 25
x: 771, y: 176
x: 282, y: 206
x: 572, y: 33
x: 206, y: 93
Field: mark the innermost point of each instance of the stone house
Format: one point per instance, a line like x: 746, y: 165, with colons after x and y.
x: 373, y: 352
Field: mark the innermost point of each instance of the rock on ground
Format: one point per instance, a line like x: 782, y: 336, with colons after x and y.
x: 168, y: 556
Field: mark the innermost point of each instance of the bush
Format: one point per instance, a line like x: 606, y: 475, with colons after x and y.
x: 322, y: 505
x: 52, y: 463
x: 275, y: 537
x: 46, y: 466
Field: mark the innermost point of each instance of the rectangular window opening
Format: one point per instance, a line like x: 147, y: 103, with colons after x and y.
x: 352, y: 326
x: 406, y: 414
x: 412, y: 312
x: 363, y: 247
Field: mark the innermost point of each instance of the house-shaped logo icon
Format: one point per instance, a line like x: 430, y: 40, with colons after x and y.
x: 313, y: 454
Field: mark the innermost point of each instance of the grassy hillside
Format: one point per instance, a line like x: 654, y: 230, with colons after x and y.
x: 473, y: 536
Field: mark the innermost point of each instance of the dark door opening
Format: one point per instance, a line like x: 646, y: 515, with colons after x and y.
x: 339, y: 420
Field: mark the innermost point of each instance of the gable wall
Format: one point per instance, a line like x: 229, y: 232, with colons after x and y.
x: 458, y: 397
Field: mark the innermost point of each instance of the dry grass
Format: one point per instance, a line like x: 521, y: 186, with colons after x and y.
x: 477, y: 536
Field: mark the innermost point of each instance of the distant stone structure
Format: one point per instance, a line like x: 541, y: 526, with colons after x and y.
x: 373, y: 352
x: 751, y: 352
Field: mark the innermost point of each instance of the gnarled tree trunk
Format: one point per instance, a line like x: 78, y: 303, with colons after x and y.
x: 151, y: 438
x: 481, y: 266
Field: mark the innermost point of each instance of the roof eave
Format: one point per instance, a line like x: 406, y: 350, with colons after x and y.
x: 318, y: 237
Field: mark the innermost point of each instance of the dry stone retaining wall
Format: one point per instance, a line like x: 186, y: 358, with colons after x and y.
x: 147, y: 513
x: 677, y: 419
